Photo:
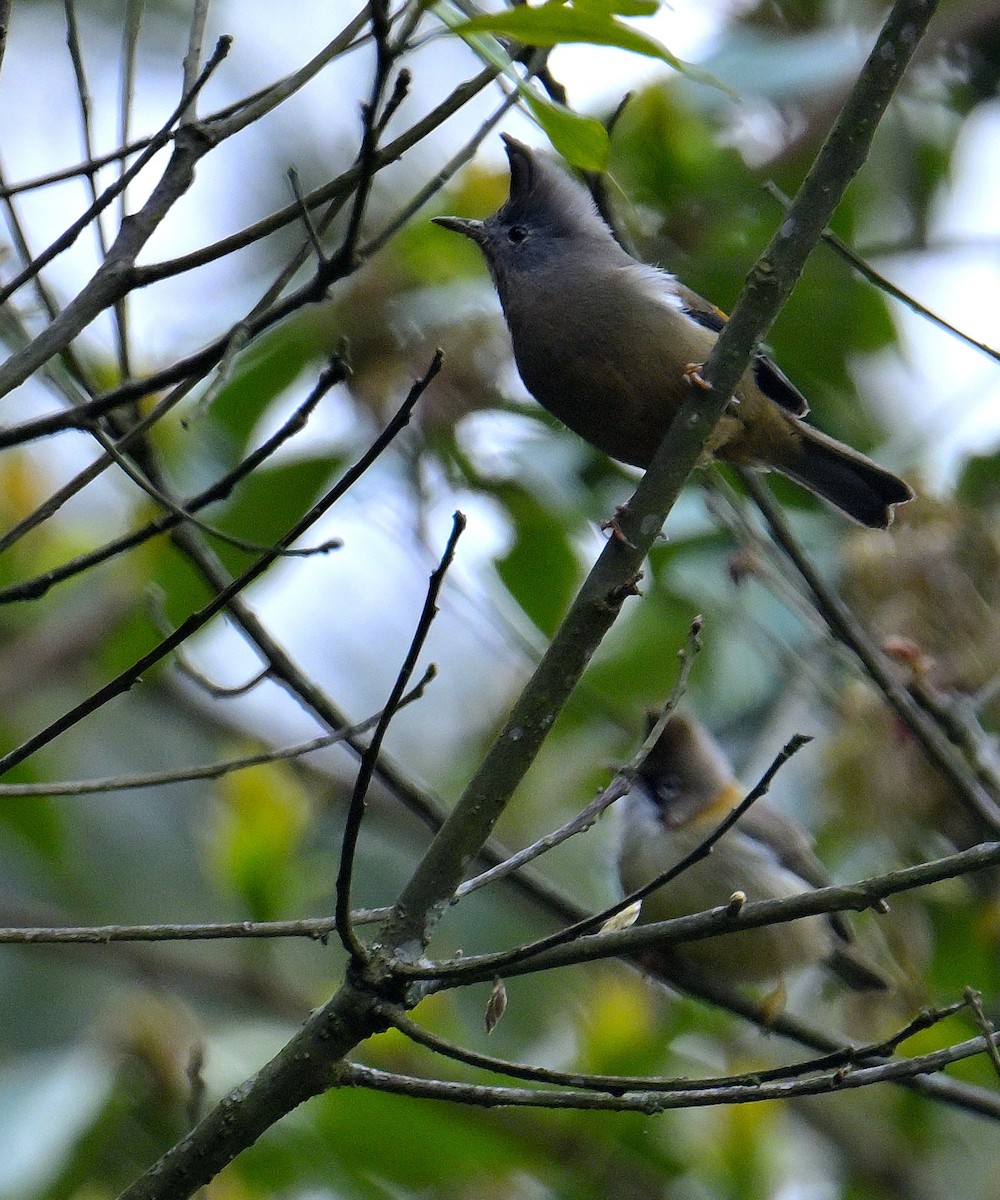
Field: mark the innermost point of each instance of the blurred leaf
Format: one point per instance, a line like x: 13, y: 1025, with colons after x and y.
x: 747, y: 1143
x: 979, y: 483
x: 36, y: 821
x: 183, y: 588
x: 420, y: 1145
x: 554, y: 23
x: 582, y: 141
x: 262, y: 372
x: 267, y: 504
x: 540, y: 569
x: 132, y: 1124
x: 624, y: 8
x: 258, y: 834
x: 965, y: 949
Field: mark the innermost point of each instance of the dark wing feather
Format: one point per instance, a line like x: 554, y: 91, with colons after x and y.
x: 771, y: 380
x: 774, y: 828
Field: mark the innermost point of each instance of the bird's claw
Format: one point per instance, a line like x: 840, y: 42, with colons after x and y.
x: 694, y: 378
x: 613, y: 525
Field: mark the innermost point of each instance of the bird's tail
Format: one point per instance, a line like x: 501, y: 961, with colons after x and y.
x: 845, y: 478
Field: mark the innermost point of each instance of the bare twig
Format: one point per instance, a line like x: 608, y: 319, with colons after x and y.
x: 974, y: 1000
x: 530, y: 950
x: 653, y: 1102
x: 29, y: 589
x: 121, y: 783
x: 125, y: 679
x: 179, y: 513
x: 616, y: 789
x: 17, y: 373
x: 845, y: 627
x: 356, y: 808
x: 865, y: 269
x: 846, y: 1057
x: 864, y: 894
x: 192, y: 60
x: 192, y: 368
x: 367, y: 165
x: 314, y: 928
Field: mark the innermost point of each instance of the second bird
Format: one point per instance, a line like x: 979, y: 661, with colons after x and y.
x: 607, y: 345
x: 684, y: 790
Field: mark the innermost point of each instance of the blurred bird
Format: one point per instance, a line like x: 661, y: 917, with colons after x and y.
x: 684, y: 790
x: 611, y: 346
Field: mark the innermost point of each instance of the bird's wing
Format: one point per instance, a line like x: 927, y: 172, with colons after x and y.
x: 771, y: 380
x: 770, y: 825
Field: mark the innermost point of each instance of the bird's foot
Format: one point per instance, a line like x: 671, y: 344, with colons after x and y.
x: 694, y: 378
x: 612, y: 525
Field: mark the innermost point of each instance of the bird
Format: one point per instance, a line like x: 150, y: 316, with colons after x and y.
x: 682, y: 792
x: 611, y: 346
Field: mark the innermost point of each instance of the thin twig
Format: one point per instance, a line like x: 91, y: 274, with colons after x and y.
x: 197, y: 364
x: 79, y: 481
x: 356, y: 808
x: 72, y: 232
x: 269, y: 95
x: 865, y: 269
x: 130, y: 45
x: 846, y: 628
x: 367, y: 162
x: 654, y: 1102
x: 181, y: 514
x: 124, y: 783
x: 307, y: 220
x: 847, y: 1056
x: 857, y: 897
x: 192, y: 60
x: 529, y: 950
x: 616, y: 789
x: 125, y: 679
x: 315, y: 928
x: 83, y: 97
x: 38, y: 585
x: 974, y: 1000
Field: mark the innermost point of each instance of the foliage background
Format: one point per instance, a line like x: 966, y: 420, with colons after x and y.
x: 96, y: 1042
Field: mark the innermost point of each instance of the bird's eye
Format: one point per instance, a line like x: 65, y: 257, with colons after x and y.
x: 516, y: 233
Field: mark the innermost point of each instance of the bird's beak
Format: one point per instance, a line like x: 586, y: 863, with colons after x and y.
x: 471, y: 229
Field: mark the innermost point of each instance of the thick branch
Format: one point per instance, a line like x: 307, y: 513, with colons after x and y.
x: 864, y: 894
x: 308, y: 1064
x: 613, y: 577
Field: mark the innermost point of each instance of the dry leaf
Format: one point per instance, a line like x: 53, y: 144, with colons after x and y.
x: 496, y: 1006
x: 623, y: 920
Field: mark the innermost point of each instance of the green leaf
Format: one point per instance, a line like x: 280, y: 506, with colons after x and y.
x: 979, y: 483
x: 552, y: 24
x: 624, y: 8
x: 540, y: 570
x: 582, y: 141
x: 37, y: 822
x: 258, y: 835
x: 262, y: 373
x: 264, y: 506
